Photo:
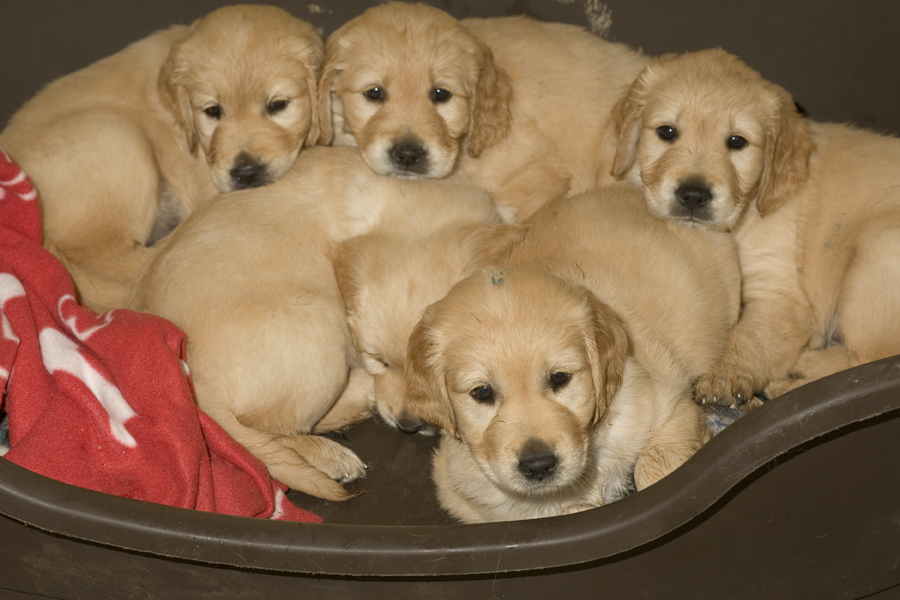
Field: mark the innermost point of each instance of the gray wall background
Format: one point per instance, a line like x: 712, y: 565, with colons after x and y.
x: 841, y: 60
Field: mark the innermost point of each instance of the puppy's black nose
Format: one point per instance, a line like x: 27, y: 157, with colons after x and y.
x: 538, y: 462
x: 693, y: 194
x: 409, y: 156
x: 247, y: 173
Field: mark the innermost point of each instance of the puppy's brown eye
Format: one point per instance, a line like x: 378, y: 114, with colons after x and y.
x: 440, y: 95
x: 276, y: 106
x: 667, y: 133
x: 483, y: 394
x: 736, y: 142
x: 213, y: 112
x: 375, y: 94
x: 559, y: 380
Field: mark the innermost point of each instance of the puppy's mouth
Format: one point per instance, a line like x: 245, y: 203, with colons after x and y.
x: 406, y: 422
x: 693, y: 202
x: 409, y: 159
x: 538, y: 472
x: 248, y: 172
x: 538, y: 465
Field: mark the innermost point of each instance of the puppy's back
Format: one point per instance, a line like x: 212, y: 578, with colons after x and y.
x: 667, y: 283
x: 133, y: 71
x: 561, y: 47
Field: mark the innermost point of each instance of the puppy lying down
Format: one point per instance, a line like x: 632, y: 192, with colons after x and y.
x: 125, y: 149
x: 814, y: 209
x: 520, y: 106
x: 563, y: 372
x: 249, y: 279
x: 387, y: 278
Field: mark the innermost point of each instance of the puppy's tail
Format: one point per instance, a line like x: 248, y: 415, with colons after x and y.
x: 290, y: 459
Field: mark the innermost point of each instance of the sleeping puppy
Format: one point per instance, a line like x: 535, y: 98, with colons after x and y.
x: 520, y: 106
x: 248, y: 277
x: 388, y: 277
x: 563, y: 373
x: 814, y: 208
x: 123, y: 150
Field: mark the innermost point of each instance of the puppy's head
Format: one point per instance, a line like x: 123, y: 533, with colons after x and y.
x: 708, y: 136
x: 519, y: 365
x: 242, y: 86
x: 387, y: 281
x: 413, y: 88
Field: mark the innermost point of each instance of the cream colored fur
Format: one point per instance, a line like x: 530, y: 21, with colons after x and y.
x: 121, y: 151
x: 389, y: 276
x: 814, y: 208
x: 627, y: 309
x: 249, y: 279
x: 524, y: 109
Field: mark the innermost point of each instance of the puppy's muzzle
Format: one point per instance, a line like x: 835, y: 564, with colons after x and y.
x: 694, y: 197
x: 537, y: 462
x: 412, y: 425
x: 409, y: 156
x: 248, y: 172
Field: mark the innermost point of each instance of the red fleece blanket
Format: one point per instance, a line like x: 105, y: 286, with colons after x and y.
x: 104, y: 401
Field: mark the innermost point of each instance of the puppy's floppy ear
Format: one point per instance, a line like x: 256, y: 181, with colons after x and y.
x: 426, y: 388
x: 607, y: 347
x: 174, y: 96
x: 311, y: 54
x: 788, y: 146
x: 490, y: 116
x: 330, y: 72
x: 626, y: 115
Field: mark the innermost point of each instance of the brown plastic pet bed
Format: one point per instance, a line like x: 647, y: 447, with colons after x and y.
x: 799, y: 499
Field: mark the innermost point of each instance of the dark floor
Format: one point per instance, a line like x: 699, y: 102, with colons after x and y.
x: 399, y: 476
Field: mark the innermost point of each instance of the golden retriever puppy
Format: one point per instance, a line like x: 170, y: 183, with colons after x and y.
x: 123, y: 150
x: 248, y: 278
x: 388, y: 277
x: 814, y: 208
x: 520, y: 106
x: 564, y: 372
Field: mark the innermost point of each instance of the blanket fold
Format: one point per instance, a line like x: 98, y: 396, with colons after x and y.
x: 105, y: 401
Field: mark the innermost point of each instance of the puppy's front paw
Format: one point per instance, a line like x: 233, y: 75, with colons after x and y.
x: 333, y: 459
x: 341, y: 464
x: 727, y: 386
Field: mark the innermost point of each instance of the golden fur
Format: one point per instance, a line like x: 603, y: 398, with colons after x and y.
x: 562, y: 370
x: 123, y: 150
x: 520, y: 106
x: 814, y: 208
x: 389, y: 276
x: 248, y: 278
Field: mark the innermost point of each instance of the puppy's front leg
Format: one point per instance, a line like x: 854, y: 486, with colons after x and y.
x: 674, y: 442
x: 762, y: 347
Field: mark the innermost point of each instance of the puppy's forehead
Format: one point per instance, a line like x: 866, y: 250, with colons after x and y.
x: 511, y: 310
x: 421, y: 37
x: 243, y: 64
x: 712, y: 84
